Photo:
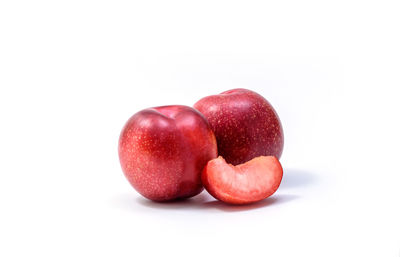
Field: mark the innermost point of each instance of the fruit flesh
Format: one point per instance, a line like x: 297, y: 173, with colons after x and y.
x: 244, y: 123
x: 249, y: 182
x: 163, y: 150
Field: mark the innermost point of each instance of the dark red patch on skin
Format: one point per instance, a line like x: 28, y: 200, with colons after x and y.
x: 244, y: 123
x: 163, y: 150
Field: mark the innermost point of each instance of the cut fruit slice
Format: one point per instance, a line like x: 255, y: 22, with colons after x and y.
x: 245, y: 183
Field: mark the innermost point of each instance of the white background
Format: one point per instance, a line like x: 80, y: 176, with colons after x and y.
x: 72, y: 72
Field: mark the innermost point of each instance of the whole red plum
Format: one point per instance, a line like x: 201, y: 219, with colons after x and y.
x: 162, y: 151
x: 244, y: 123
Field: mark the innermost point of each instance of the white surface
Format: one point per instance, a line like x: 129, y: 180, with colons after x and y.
x: 72, y: 73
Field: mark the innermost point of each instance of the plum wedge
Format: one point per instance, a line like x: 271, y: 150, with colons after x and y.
x: 245, y: 183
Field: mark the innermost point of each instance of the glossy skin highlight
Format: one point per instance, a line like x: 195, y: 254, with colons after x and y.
x: 246, y: 183
x: 245, y: 125
x: 163, y: 150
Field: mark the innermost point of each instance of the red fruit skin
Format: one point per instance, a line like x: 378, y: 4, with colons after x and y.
x: 244, y: 123
x: 246, y: 183
x: 163, y: 150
